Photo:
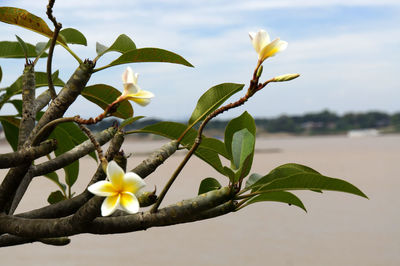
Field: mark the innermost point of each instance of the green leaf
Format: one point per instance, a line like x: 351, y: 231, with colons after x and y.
x: 40, y: 81
x: 76, y: 135
x: 210, y: 157
x: 244, y: 169
x: 55, y: 197
x: 242, y: 153
x: 243, y: 121
x: 310, y: 181
x: 23, y: 18
x: 14, y: 50
x: 212, y: 99
x: 64, y: 144
x: 103, y: 95
x: 230, y: 174
x: 150, y: 55
x: 23, y: 46
x: 278, y: 196
x: 208, y: 184
x: 18, y: 106
x: 100, y: 49
x: 122, y: 45
x: 282, y: 171
x: 253, y: 179
x: 41, y: 47
x: 242, y: 146
x: 11, y: 130
x: 173, y: 130
x: 73, y: 36
x: 208, y: 150
x: 54, y: 177
x: 129, y: 121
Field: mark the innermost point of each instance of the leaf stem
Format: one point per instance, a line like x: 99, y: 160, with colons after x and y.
x: 101, y: 68
x: 72, y: 53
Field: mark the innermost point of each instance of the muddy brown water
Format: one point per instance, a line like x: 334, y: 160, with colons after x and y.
x: 338, y: 229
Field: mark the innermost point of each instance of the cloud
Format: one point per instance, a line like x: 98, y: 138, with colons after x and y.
x: 346, y: 50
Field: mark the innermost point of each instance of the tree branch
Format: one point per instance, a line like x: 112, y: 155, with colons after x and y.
x: 65, y: 98
x: 27, y: 155
x: 57, y: 28
x: 42, y: 100
x: 11, y: 240
x: 70, y: 206
x: 19, y: 193
x: 173, y: 214
x: 28, y: 111
x: 155, y: 159
x: 72, y: 155
x: 10, y: 185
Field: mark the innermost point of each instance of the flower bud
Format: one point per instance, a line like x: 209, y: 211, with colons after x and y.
x: 285, y: 77
x: 259, y: 71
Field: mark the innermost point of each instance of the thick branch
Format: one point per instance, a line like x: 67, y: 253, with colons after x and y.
x: 65, y: 98
x: 10, y: 240
x: 42, y: 100
x: 173, y: 214
x: 10, y: 185
x: 20, y: 192
x: 72, y: 155
x: 91, y: 209
x: 57, y: 163
x: 28, y: 110
x: 155, y: 159
x: 70, y: 206
x: 24, y: 156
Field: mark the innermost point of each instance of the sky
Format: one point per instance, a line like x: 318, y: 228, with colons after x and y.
x: 347, y: 52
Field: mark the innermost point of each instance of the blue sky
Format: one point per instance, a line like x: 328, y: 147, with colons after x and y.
x: 347, y: 51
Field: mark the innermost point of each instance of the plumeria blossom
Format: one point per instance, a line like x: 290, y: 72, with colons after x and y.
x: 263, y: 45
x: 120, y: 190
x: 131, y: 89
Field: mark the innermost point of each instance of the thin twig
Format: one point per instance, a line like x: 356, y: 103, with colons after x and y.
x: 250, y: 92
x: 253, y: 88
x: 23, y: 156
x: 57, y: 28
x: 49, y: 127
x: 94, y: 141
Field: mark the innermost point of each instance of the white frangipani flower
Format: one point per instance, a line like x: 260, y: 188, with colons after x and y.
x: 131, y: 89
x: 120, y: 190
x: 263, y: 45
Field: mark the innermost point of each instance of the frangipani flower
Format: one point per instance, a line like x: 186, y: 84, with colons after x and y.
x: 131, y: 89
x: 120, y: 190
x: 263, y: 45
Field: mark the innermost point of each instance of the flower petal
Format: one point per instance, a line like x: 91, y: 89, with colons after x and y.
x: 133, y: 183
x: 110, y: 204
x: 259, y: 40
x: 271, y: 49
x: 129, y: 202
x: 130, y: 88
x: 128, y: 76
x: 115, y: 174
x: 102, y: 189
x: 142, y: 97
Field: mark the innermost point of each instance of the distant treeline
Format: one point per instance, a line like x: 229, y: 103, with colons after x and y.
x: 325, y: 122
